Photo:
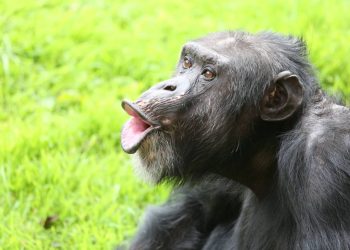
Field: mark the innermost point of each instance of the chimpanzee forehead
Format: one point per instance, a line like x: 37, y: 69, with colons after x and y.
x: 206, y: 53
x: 222, y: 46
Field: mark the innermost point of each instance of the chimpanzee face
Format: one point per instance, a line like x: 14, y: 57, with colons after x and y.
x: 188, y: 124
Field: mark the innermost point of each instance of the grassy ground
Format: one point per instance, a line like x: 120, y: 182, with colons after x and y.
x: 65, y: 66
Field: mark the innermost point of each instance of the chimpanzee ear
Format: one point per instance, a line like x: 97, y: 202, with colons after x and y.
x: 282, y: 98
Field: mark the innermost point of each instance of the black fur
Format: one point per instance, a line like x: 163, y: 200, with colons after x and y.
x: 190, y: 216
x: 247, y: 182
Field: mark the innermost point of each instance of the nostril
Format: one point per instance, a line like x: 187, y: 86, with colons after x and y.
x: 170, y: 87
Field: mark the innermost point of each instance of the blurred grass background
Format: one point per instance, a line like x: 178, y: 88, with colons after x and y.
x: 65, y: 66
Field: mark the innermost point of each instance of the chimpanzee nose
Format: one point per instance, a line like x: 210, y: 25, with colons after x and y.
x: 169, y: 87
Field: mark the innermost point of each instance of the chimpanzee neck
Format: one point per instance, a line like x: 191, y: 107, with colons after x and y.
x: 258, y: 167
x: 258, y: 157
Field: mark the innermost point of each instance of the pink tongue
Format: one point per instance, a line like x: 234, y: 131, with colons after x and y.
x: 133, y: 132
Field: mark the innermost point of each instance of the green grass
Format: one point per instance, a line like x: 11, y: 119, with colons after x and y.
x: 65, y: 66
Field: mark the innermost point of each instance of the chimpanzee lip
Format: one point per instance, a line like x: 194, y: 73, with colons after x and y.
x: 136, y: 129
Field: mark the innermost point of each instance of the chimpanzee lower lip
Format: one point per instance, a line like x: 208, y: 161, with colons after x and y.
x: 134, y: 147
x: 136, y: 129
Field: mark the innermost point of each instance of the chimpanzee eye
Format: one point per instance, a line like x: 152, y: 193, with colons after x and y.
x: 208, y: 74
x: 187, y: 63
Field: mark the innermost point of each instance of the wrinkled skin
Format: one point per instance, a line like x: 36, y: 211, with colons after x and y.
x: 240, y: 126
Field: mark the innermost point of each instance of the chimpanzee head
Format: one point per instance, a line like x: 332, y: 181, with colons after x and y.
x: 231, y: 96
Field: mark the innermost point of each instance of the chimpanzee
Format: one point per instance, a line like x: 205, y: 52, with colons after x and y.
x: 258, y: 154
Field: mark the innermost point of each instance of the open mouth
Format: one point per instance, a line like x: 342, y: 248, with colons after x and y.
x: 136, y: 129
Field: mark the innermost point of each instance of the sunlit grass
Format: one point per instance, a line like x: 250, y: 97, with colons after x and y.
x: 65, y: 66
